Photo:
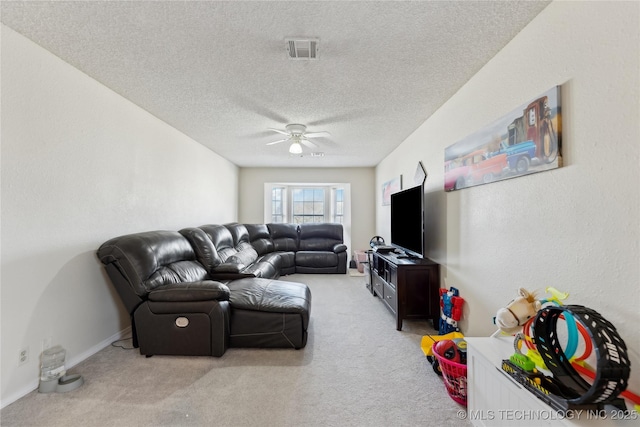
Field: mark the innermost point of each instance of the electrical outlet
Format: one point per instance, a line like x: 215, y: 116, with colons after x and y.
x: 23, y: 357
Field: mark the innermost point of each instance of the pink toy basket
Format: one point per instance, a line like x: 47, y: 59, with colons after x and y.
x: 454, y: 375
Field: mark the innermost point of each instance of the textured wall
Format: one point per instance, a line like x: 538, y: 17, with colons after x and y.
x: 575, y: 228
x: 80, y: 164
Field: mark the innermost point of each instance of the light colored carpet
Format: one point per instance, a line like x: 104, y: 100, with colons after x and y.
x: 356, y: 370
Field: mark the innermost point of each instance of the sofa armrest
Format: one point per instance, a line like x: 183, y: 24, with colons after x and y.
x: 203, y: 290
x: 231, y: 276
x: 229, y: 267
x: 339, y: 247
x: 230, y: 271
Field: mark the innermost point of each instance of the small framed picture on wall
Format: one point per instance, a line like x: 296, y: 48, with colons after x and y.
x: 388, y: 188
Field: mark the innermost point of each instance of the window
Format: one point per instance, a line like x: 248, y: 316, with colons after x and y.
x: 305, y: 203
x: 277, y: 204
x: 338, y: 205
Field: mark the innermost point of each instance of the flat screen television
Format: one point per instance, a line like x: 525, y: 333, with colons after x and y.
x: 407, y: 221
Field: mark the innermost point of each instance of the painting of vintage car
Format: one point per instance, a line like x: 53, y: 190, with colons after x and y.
x: 525, y: 141
x: 455, y: 175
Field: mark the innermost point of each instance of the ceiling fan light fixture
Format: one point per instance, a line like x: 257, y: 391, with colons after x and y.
x: 295, y: 148
x: 298, y: 136
x: 296, y: 129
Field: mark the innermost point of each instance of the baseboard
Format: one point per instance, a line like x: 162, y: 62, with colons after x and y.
x: 96, y: 348
x: 33, y: 385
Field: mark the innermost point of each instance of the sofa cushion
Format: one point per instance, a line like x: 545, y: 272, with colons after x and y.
x: 238, y: 232
x: 203, y: 246
x: 274, y: 258
x: 240, y: 236
x: 222, y: 240
x: 320, y: 236
x: 317, y: 259
x: 151, y: 259
x: 274, y: 296
x: 247, y: 257
x: 287, y: 259
x: 285, y: 236
x: 260, y: 238
x: 176, y: 272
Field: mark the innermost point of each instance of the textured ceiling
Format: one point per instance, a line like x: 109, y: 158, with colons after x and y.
x: 219, y: 72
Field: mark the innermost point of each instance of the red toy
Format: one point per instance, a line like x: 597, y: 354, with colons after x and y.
x: 451, y: 305
x: 449, y: 350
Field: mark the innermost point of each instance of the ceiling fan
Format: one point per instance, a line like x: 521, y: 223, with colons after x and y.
x: 298, y: 136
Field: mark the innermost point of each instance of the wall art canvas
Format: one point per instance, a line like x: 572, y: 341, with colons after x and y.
x: 525, y: 141
x: 388, y: 188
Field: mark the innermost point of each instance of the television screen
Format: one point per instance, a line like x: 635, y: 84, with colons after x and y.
x: 407, y: 221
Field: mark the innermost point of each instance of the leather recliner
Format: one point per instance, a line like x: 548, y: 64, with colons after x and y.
x: 174, y: 307
x: 321, y: 249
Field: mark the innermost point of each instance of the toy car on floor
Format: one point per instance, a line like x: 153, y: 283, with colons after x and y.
x: 427, y: 345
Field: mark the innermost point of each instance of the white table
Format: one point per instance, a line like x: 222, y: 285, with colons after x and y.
x: 496, y: 399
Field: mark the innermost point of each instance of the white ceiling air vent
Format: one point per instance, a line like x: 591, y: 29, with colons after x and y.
x: 302, y: 48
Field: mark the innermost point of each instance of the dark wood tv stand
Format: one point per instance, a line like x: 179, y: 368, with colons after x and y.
x: 409, y: 287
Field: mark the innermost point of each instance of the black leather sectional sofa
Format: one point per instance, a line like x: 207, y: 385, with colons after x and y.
x: 201, y: 290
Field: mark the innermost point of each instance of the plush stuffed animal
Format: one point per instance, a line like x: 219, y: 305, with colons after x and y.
x: 511, y: 318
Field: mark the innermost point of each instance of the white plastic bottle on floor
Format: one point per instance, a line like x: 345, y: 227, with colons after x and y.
x: 52, y: 366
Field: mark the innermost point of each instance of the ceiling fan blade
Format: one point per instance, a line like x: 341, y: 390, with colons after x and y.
x: 317, y: 134
x: 308, y: 143
x: 278, y: 141
x: 279, y: 131
x: 250, y: 104
x: 342, y: 117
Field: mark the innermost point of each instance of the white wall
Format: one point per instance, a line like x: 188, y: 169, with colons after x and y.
x: 81, y: 164
x: 251, y: 199
x: 576, y: 228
